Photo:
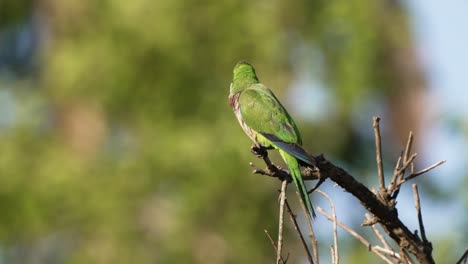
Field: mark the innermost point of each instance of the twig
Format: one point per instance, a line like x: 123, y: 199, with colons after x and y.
x: 418, y: 210
x: 381, y: 237
x: 271, y: 240
x: 463, y: 258
x: 382, y: 256
x: 409, y: 144
x: 395, y: 182
x: 404, y: 257
x: 378, y: 234
x: 378, y: 154
x: 332, y: 255
x: 335, y: 225
x: 406, y: 159
x: 356, y: 235
x: 406, y: 164
x: 298, y: 230
x: 269, y: 171
x: 395, y: 189
x: 413, y: 175
x: 389, y: 252
x: 388, y: 249
x: 284, y: 185
x: 313, y: 240
x: 395, y: 173
x: 273, y: 244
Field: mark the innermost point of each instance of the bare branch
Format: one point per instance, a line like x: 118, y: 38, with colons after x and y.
x: 356, y: 235
x: 271, y: 240
x: 404, y: 257
x: 395, y: 173
x: 409, y: 145
x: 395, y: 182
x: 272, y: 171
x: 388, y: 249
x: 382, y: 256
x: 274, y: 245
x: 406, y: 164
x: 335, y: 226
x: 413, y: 175
x: 381, y: 204
x: 406, y: 159
x: 463, y: 258
x: 378, y: 150
x: 313, y: 240
x: 298, y: 230
x: 333, y: 255
x: 378, y: 234
x: 388, y: 252
x: 386, y: 215
x: 395, y: 189
x: 284, y: 185
x: 418, y: 210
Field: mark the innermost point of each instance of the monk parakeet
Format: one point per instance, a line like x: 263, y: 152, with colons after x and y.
x: 264, y: 119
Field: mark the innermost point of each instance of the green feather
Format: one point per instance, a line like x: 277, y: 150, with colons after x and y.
x: 264, y: 113
x: 295, y: 171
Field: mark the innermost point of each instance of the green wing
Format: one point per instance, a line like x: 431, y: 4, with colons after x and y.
x: 262, y: 112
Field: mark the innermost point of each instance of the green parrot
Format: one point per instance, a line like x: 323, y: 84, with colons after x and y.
x: 266, y: 122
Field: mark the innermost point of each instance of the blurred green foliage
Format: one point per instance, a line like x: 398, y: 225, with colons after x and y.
x: 123, y: 148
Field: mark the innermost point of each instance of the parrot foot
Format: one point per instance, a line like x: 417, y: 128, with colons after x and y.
x: 259, y: 150
x: 272, y: 171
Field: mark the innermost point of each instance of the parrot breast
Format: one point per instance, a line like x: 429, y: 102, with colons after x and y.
x: 234, y: 102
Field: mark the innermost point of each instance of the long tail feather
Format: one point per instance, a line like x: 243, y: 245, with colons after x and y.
x: 295, y: 171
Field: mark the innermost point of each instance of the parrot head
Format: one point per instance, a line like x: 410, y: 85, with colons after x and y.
x: 243, y: 75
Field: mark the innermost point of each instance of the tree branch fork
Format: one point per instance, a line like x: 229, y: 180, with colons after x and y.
x: 381, y: 203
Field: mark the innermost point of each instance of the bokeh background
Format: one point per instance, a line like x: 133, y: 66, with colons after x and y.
x: 117, y: 144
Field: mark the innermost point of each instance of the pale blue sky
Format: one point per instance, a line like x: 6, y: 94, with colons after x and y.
x: 441, y: 31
